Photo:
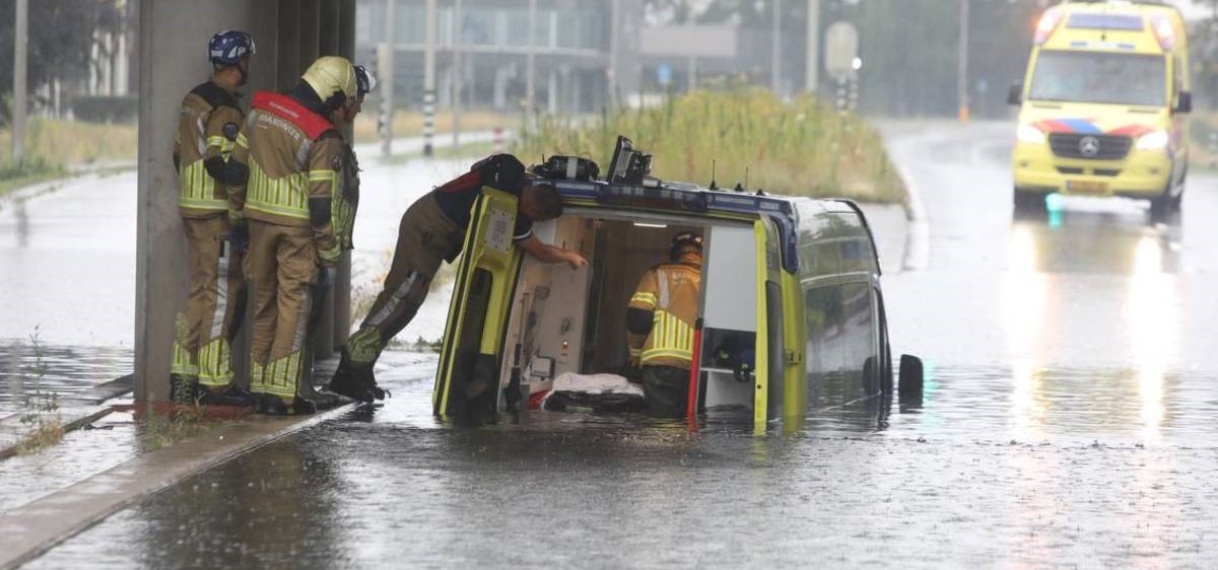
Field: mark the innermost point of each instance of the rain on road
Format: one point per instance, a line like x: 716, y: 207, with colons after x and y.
x: 1067, y: 421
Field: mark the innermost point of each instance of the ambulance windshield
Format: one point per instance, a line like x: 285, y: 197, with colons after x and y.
x: 1100, y: 77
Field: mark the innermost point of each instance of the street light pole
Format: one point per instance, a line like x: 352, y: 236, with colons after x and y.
x: 457, y: 74
x: 387, y: 81
x: 429, y: 81
x: 962, y: 64
x: 530, y: 81
x: 776, y: 49
x: 20, y: 75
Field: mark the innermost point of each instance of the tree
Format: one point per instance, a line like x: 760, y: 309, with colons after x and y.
x: 60, y: 41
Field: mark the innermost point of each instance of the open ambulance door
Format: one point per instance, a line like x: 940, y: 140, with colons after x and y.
x: 470, y: 356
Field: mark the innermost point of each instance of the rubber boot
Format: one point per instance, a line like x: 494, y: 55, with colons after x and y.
x: 275, y: 406
x: 323, y: 400
x: 355, y: 381
x: 234, y: 396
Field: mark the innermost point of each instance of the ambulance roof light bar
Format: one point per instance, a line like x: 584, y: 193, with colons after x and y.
x: 1163, y: 31
x: 1047, y: 25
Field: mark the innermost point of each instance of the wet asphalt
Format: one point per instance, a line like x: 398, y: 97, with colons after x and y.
x: 1066, y: 422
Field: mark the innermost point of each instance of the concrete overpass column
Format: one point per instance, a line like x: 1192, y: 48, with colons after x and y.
x: 172, y: 37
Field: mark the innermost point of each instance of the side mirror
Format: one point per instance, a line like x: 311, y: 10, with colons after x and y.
x: 1015, y: 94
x: 1184, y: 103
x: 912, y: 376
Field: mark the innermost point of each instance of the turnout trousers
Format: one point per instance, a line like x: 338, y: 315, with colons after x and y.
x: 426, y: 237
x: 215, y: 305
x: 282, y: 268
x: 666, y: 389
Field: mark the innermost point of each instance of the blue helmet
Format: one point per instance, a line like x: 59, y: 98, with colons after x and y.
x: 364, y: 80
x: 229, y: 46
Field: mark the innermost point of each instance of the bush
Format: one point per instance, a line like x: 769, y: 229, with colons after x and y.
x: 106, y: 109
x: 797, y: 148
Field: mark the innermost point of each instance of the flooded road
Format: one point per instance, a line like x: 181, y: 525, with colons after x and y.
x: 1067, y: 421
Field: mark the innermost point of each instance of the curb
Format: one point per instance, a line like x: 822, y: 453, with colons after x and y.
x: 30, y: 530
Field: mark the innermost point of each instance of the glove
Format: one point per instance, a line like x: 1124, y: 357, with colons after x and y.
x: 239, y: 237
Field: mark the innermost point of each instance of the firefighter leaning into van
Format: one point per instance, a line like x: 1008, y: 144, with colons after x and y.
x: 433, y: 230
x: 208, y: 127
x: 295, y: 156
x: 660, y: 325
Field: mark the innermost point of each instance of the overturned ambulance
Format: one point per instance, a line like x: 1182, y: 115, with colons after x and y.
x: 791, y: 314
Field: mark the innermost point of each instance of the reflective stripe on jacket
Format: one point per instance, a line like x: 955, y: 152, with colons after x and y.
x: 294, y: 157
x: 670, y: 292
x: 208, y: 124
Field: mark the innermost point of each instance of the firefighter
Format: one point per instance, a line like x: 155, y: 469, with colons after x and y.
x: 344, y: 205
x: 433, y: 230
x: 295, y: 156
x: 208, y: 127
x: 660, y: 325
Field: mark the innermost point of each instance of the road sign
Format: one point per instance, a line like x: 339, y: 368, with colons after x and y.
x: 664, y: 74
x: 841, y: 50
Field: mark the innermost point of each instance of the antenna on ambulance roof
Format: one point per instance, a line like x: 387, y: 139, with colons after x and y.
x: 713, y: 185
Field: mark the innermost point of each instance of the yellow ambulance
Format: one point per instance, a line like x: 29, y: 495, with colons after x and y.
x: 1103, y: 104
x: 791, y: 316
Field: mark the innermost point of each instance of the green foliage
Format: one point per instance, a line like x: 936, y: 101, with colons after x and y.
x: 795, y: 148
x: 106, y: 109
x: 34, y: 167
x: 60, y: 40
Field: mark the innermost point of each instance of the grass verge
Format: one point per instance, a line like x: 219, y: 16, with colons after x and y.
x: 800, y: 147
x: 31, y: 171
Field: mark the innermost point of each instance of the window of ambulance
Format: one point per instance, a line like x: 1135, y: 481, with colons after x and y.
x: 1100, y: 77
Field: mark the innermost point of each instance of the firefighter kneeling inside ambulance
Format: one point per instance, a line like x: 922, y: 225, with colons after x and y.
x: 660, y: 322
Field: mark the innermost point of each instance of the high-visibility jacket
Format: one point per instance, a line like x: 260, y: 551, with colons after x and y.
x: 208, y: 126
x: 670, y: 292
x: 346, y: 199
x: 295, y: 157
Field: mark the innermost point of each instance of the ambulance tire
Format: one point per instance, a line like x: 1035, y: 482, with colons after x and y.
x: 1163, y: 205
x: 1028, y: 202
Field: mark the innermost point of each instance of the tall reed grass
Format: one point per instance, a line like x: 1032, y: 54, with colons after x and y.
x: 797, y: 147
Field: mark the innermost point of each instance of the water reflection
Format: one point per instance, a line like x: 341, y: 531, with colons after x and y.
x: 1082, y: 286
x: 30, y: 370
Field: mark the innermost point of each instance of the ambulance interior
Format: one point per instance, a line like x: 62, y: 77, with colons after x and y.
x: 564, y: 320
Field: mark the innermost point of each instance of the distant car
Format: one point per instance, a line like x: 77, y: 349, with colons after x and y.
x: 793, y: 281
x: 1103, y: 105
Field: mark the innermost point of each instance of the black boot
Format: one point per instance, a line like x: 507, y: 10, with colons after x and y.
x: 275, y: 406
x: 323, y: 400
x: 356, y: 382
x: 234, y: 396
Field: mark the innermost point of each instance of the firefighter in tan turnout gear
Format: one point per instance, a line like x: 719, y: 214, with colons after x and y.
x: 208, y: 127
x: 295, y: 157
x: 432, y: 231
x: 660, y: 325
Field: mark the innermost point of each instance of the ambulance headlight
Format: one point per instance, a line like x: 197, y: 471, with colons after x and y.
x: 1156, y: 140
x: 1029, y: 134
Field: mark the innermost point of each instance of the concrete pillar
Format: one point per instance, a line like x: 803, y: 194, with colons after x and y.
x: 172, y: 38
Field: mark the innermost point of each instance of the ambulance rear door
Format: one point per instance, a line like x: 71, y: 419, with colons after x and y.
x: 471, y: 353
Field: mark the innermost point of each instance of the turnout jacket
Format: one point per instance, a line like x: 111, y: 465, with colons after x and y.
x: 208, y: 126
x: 295, y: 158
x: 670, y: 292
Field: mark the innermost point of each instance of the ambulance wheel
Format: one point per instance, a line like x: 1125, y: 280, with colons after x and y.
x: 1163, y: 205
x: 1029, y: 202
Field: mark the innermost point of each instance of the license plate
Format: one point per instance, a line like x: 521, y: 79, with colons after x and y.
x: 1085, y: 187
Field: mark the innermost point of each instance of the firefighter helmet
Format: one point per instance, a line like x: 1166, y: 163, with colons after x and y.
x: 229, y: 46
x: 685, y: 242
x: 333, y: 79
x: 365, y: 81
